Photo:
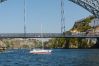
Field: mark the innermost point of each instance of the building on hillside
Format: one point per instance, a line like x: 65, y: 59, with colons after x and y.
x: 93, y: 31
x: 94, y: 22
x: 97, y: 29
x: 74, y: 32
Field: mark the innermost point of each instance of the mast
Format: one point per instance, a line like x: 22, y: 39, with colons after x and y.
x: 42, y: 38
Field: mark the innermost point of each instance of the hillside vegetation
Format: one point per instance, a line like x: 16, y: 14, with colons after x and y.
x: 83, y: 24
x: 80, y: 26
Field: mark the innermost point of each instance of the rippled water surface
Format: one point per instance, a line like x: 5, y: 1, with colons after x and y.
x: 59, y: 57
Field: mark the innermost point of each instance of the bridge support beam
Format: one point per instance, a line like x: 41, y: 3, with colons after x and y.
x: 66, y: 43
x: 97, y: 44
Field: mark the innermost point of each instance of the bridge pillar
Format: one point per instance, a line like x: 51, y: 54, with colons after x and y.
x: 97, y: 44
x: 66, y: 43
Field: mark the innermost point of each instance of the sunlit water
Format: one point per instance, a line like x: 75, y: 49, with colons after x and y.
x: 59, y: 57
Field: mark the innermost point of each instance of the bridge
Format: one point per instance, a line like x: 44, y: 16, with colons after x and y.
x: 91, y: 5
x: 46, y: 35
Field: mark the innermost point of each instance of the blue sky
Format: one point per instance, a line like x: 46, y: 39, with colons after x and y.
x: 45, y: 12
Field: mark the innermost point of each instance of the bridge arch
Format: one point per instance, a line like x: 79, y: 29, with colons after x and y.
x: 91, y: 5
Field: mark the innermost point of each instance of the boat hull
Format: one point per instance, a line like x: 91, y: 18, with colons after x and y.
x: 41, y: 51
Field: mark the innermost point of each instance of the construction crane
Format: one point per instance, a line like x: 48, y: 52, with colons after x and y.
x: 62, y: 17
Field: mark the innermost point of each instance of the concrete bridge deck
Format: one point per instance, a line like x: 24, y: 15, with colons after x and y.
x: 44, y: 35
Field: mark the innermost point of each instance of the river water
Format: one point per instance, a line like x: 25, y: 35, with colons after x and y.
x: 59, y: 57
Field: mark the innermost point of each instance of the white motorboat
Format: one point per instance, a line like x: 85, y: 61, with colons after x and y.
x: 40, y: 51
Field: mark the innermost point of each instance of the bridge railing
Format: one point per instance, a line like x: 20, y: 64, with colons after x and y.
x: 46, y: 35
